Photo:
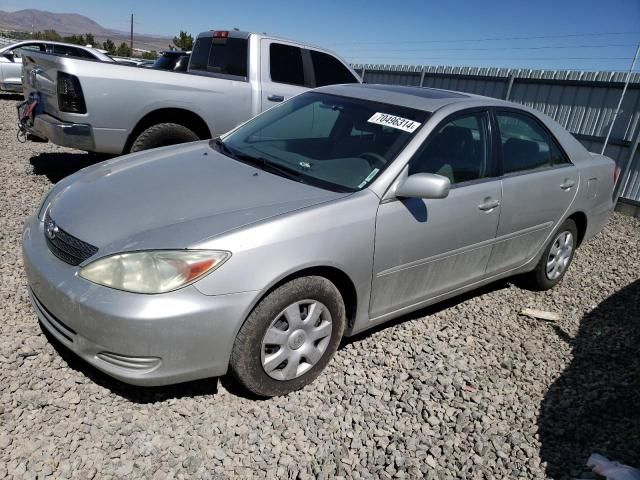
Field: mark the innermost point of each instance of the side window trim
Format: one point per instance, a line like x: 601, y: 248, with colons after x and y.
x: 307, y: 66
x: 494, y: 173
x: 497, y: 141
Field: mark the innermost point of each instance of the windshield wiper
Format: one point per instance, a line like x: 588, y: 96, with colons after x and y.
x: 263, y: 163
x: 224, y: 148
x: 275, y: 168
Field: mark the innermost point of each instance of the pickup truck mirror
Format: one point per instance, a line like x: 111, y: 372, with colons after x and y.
x: 424, y: 185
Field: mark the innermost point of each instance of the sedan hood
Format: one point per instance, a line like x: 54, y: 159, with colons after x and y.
x: 173, y: 197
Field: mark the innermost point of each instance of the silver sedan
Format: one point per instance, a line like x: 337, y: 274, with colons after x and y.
x: 343, y: 208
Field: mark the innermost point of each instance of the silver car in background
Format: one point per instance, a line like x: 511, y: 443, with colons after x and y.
x: 11, y: 58
x: 343, y: 208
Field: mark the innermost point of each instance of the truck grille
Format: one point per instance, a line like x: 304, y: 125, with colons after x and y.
x: 65, y: 246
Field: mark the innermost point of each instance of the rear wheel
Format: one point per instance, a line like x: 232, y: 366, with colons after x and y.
x: 161, y: 135
x: 289, y: 337
x: 556, y: 258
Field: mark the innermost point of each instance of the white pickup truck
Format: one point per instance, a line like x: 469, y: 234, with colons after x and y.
x: 109, y: 108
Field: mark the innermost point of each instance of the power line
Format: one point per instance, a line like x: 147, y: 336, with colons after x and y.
x: 502, y: 48
x: 490, y: 39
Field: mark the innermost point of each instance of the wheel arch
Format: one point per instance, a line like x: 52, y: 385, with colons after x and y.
x: 181, y: 116
x: 580, y: 219
x: 335, y: 275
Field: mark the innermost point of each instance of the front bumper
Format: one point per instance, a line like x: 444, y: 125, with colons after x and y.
x: 11, y: 87
x: 139, y: 339
x: 73, y: 135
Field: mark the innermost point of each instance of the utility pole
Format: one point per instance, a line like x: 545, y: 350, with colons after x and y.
x: 624, y: 90
x: 131, y: 38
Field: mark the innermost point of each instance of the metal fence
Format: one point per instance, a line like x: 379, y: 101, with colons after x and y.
x: 583, y: 102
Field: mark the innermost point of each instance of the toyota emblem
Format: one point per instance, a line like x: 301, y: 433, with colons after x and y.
x: 52, y: 229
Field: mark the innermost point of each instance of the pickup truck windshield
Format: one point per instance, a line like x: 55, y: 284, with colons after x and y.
x: 329, y: 141
x: 224, y: 56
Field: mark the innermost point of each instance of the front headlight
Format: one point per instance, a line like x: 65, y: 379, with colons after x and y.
x: 154, y: 271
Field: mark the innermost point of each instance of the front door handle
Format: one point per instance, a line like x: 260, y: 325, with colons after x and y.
x: 489, y: 205
x: 567, y: 184
x: 275, y: 98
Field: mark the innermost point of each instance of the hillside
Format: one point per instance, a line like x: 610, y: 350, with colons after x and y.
x: 33, y: 20
x: 69, y: 23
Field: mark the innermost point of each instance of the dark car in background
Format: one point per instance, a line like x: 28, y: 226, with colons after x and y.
x: 175, y: 60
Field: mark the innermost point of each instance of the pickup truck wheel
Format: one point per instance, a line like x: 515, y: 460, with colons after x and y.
x: 556, y: 258
x: 161, y: 135
x: 289, y: 337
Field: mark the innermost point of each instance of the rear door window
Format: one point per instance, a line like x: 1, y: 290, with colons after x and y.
x: 526, y: 145
x: 285, y: 64
x: 225, y: 56
x: 329, y: 70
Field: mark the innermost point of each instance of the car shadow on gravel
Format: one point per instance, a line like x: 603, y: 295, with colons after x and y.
x: 208, y: 386
x: 594, y: 406
x: 15, y: 97
x: 57, y: 165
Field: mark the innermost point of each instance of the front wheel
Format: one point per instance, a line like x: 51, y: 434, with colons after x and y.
x: 289, y: 337
x: 556, y: 258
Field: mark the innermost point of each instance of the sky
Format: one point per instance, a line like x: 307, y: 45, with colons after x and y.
x: 550, y: 34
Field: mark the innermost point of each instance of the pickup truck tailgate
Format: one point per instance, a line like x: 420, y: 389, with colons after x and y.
x: 39, y: 74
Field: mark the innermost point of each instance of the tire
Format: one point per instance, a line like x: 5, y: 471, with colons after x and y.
x: 161, y: 135
x: 541, y: 278
x: 249, y: 352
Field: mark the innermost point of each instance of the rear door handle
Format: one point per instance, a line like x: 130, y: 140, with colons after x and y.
x: 275, y: 98
x: 489, y: 205
x: 567, y: 184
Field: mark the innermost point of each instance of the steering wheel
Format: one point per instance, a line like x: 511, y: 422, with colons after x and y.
x: 375, y: 159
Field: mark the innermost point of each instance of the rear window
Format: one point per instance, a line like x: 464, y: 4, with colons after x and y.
x: 329, y: 70
x: 71, y: 51
x: 166, y: 62
x: 225, y: 56
x: 286, y: 64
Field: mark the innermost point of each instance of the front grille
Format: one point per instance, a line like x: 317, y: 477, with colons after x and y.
x: 66, y: 247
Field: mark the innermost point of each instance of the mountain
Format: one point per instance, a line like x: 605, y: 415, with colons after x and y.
x: 32, y: 20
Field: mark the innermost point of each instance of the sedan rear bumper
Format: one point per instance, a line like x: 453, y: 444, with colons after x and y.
x: 139, y: 339
x: 73, y: 135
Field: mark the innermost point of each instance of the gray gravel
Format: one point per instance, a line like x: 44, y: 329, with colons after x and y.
x: 468, y: 389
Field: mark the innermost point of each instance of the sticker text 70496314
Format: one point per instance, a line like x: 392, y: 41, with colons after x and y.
x: 393, y: 121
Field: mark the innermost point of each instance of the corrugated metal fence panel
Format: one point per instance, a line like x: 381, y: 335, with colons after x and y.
x: 631, y: 183
x: 403, y: 75
x: 583, y: 102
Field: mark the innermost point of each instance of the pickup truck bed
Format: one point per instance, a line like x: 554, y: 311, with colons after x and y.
x: 110, y: 108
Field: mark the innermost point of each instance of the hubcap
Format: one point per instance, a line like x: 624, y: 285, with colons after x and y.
x: 559, y: 255
x: 296, y: 339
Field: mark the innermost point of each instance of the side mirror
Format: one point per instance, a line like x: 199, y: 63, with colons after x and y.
x: 424, y: 185
x: 9, y: 56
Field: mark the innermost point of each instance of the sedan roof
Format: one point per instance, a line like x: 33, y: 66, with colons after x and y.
x: 422, y: 98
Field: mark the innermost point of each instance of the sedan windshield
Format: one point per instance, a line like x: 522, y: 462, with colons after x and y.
x: 329, y: 141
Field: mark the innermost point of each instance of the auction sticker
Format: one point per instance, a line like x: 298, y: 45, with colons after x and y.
x: 394, y: 122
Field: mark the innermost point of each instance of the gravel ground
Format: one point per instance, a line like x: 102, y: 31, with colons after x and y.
x: 467, y: 389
